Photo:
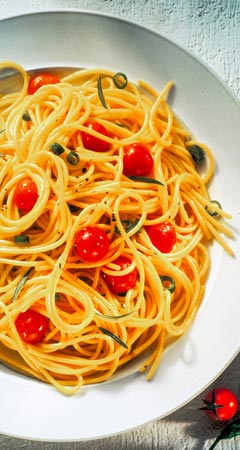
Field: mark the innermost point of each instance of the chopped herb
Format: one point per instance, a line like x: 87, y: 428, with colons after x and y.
x: 100, y: 92
x: 128, y: 225
x: 211, y: 212
x: 21, y: 283
x: 21, y: 239
x: 26, y: 117
x: 73, y: 158
x: 146, y: 180
x: 57, y: 296
x: 120, y: 316
x: 196, y: 153
x: 122, y: 125
x: 57, y: 149
x: 168, y: 283
x: 2, y: 131
x: 113, y: 336
x: 120, y: 80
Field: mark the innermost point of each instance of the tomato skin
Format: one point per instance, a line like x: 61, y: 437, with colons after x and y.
x: 137, y: 160
x: 26, y: 194
x: 92, y: 142
x: 92, y: 244
x: 122, y: 283
x: 163, y: 236
x: 40, y: 80
x: 31, y: 326
x: 220, y: 404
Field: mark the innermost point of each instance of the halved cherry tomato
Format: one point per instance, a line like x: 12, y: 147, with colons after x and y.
x: 92, y: 142
x: 40, y: 80
x: 137, y: 160
x: 31, y: 326
x: 119, y: 284
x: 92, y: 244
x: 163, y: 236
x: 26, y: 194
x: 220, y: 404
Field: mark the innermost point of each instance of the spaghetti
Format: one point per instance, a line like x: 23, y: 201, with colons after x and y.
x: 93, y: 327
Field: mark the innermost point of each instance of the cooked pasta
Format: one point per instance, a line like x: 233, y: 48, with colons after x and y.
x: 105, y: 225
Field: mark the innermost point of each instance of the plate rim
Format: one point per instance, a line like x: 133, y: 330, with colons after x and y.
x: 227, y: 89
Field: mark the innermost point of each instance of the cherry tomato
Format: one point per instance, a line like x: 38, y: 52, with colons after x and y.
x: 26, y: 194
x: 40, y: 80
x: 163, y: 236
x: 92, y: 244
x: 137, y: 160
x: 121, y: 283
x: 31, y: 326
x: 92, y: 142
x: 220, y: 404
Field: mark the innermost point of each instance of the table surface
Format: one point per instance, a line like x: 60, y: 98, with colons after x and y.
x: 210, y: 29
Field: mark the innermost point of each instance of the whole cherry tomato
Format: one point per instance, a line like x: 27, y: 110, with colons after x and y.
x: 94, y: 143
x: 25, y: 194
x: 137, y: 160
x: 119, y: 284
x: 92, y: 244
x: 40, y: 80
x: 31, y: 326
x: 163, y: 236
x: 220, y: 404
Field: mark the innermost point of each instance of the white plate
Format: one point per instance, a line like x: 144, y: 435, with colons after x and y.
x: 35, y: 410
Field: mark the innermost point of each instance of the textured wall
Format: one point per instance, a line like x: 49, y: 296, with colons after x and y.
x: 211, y: 29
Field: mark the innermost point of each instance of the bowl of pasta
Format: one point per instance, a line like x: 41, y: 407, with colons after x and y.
x: 118, y: 224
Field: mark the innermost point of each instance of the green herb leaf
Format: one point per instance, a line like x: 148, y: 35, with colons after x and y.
x: 120, y: 316
x: 113, y: 336
x: 57, y: 149
x: 120, y: 80
x: 21, y: 284
x: 231, y: 430
x: 196, y: 153
x: 146, y: 180
x: 168, y: 283
x: 26, y: 117
x: 128, y: 225
x: 21, y: 239
x: 73, y: 158
x: 210, y: 211
x: 100, y: 92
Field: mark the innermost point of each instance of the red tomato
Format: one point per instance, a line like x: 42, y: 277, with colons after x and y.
x: 220, y: 404
x: 93, y: 143
x: 137, y: 160
x: 31, y: 326
x: 121, y: 283
x: 40, y: 80
x: 26, y: 194
x: 163, y: 236
x: 92, y: 244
